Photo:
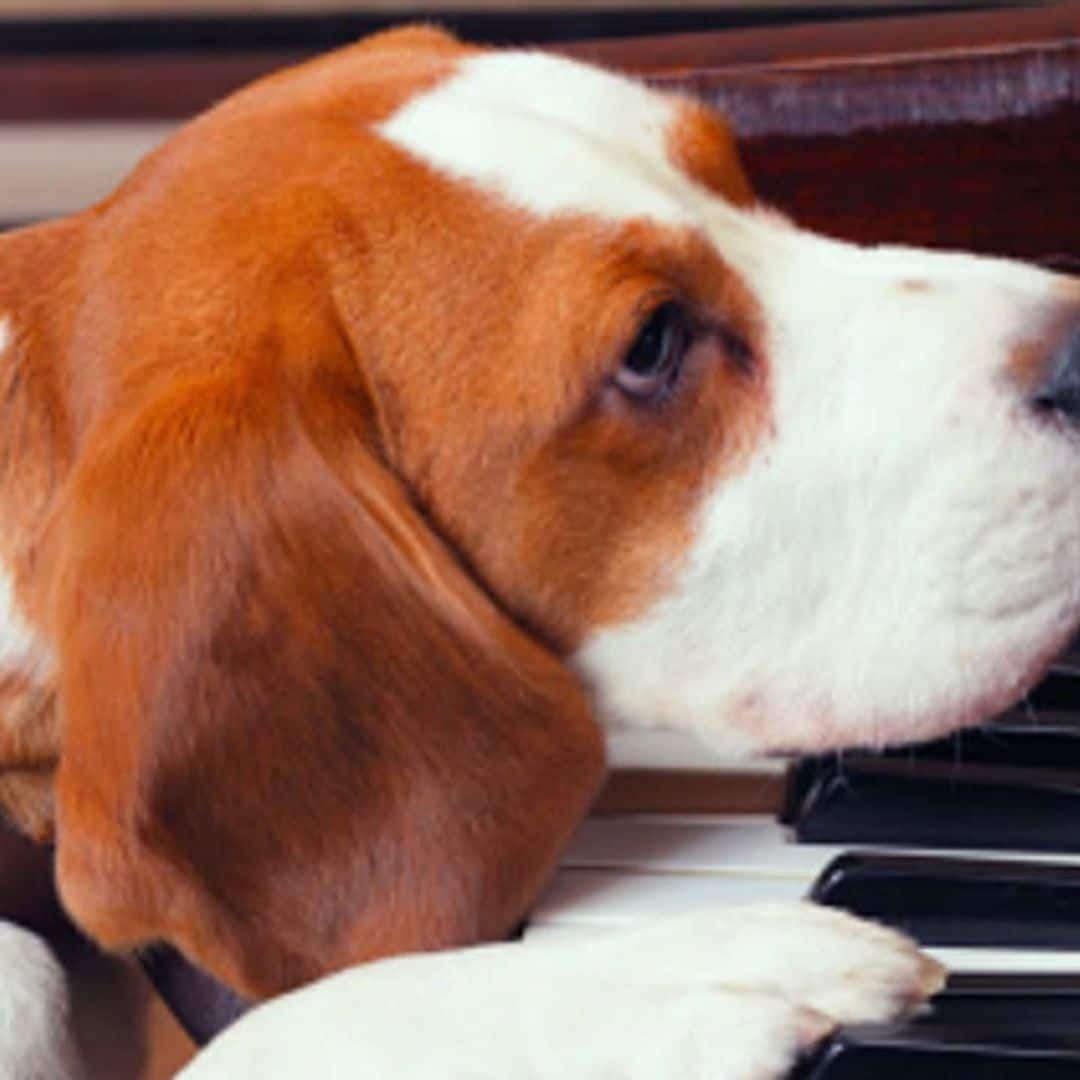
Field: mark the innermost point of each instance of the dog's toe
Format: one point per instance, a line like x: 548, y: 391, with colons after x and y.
x: 846, y: 968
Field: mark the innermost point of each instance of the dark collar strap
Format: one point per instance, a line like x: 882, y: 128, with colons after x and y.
x: 201, y: 1004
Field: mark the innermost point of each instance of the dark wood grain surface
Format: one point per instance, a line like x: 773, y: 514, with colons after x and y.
x: 137, y: 85
x: 956, y: 130
x: 952, y: 131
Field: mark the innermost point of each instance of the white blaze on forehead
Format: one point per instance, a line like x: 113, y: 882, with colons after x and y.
x: 5, y: 333
x: 551, y: 136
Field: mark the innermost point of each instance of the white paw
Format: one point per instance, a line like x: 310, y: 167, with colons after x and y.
x: 35, y: 1043
x: 842, y: 967
x: 848, y: 968
x: 723, y: 995
x: 711, y: 1034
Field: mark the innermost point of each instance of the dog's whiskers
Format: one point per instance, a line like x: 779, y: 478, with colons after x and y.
x: 1030, y: 712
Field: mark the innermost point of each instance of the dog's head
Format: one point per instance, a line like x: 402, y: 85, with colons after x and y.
x: 780, y: 490
x: 426, y: 402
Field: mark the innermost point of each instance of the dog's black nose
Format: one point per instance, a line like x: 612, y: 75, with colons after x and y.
x: 1060, y: 392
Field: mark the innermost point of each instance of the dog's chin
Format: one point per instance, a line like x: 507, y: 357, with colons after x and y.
x: 820, y: 728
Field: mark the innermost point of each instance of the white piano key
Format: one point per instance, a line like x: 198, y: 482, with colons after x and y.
x: 692, y: 844
x: 971, y: 961
x: 620, y: 898
x: 676, y: 751
x: 623, y: 871
x: 729, y: 845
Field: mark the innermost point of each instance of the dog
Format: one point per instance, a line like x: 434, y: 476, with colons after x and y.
x: 413, y: 417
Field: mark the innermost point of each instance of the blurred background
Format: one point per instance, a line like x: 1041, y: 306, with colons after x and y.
x: 87, y: 86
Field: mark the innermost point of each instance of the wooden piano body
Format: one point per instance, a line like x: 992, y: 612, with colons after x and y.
x: 950, y: 131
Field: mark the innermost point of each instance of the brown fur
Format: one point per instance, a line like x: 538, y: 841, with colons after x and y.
x: 316, y: 499
x: 702, y: 145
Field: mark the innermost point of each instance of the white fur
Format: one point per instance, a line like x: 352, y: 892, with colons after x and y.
x: 35, y: 1043
x: 550, y: 136
x: 697, y: 996
x: 5, y: 333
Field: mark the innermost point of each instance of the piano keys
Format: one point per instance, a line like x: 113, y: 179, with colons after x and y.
x: 970, y: 844
x: 1008, y: 1030
x: 1020, y: 913
x: 1011, y: 786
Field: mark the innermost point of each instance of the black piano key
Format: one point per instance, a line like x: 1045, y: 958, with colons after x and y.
x: 1004, y: 1029
x: 1058, y: 692
x: 1050, y: 744
x: 1038, y: 992
x: 1006, y: 786
x: 886, y: 1055
x: 959, y: 902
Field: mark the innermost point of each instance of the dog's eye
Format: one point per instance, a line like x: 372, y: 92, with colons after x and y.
x: 651, y: 365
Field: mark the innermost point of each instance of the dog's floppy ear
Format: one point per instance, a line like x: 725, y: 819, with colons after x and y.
x: 296, y: 733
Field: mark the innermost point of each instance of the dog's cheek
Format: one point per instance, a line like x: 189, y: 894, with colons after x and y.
x: 898, y: 560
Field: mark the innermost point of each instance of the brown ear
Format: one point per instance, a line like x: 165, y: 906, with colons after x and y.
x: 296, y: 734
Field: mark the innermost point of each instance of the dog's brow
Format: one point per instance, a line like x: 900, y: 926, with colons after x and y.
x: 552, y: 138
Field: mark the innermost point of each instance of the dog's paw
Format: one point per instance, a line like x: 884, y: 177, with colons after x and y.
x: 848, y: 968
x: 725, y: 995
x: 711, y: 1034
x: 845, y: 968
x: 35, y: 1043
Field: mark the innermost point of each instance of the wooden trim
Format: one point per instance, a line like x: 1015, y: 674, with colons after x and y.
x: 545, y: 21
x: 888, y: 39
x: 182, y: 82
x: 942, y: 131
x: 38, y: 9
x: 126, y: 88
x: 977, y: 89
x: 643, y: 791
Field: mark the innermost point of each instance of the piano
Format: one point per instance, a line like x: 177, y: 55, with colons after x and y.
x: 971, y: 844
x: 949, y: 130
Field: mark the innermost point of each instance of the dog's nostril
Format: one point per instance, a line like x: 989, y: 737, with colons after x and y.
x: 1060, y: 392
